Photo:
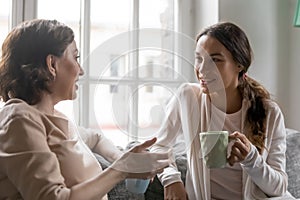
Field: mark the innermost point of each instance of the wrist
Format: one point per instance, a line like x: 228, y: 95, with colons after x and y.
x: 119, y: 174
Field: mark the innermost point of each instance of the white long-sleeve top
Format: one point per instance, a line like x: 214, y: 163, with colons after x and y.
x: 189, y: 113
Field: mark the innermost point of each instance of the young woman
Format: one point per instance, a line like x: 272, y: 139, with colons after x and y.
x: 225, y: 99
x: 42, y: 156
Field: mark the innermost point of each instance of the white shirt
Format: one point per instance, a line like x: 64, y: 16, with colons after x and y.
x: 227, y: 179
x: 188, y: 114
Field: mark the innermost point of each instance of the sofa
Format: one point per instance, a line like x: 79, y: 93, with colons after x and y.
x: 155, y: 189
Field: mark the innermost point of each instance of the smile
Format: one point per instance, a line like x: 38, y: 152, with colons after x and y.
x: 207, y: 81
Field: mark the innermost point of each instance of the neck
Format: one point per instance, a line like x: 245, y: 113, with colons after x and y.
x: 233, y: 100
x: 46, y: 105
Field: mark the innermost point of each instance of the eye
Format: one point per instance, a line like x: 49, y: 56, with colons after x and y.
x: 199, y: 59
x: 216, y: 59
x: 77, y: 57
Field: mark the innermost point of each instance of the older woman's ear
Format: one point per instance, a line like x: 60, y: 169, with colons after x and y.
x: 51, y: 61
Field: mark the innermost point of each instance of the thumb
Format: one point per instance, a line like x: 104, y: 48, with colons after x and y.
x: 145, y: 144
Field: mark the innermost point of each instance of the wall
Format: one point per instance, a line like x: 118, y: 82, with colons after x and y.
x: 294, y: 80
x: 275, y: 44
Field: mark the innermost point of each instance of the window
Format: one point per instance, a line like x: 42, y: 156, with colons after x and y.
x: 4, y: 24
x: 4, y: 20
x: 129, y: 54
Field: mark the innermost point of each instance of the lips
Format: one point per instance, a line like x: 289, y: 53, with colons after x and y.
x: 206, y: 81
x: 76, y: 84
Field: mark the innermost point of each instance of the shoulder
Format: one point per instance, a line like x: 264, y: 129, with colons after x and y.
x: 189, y: 89
x: 16, y: 109
x: 275, y: 117
x: 272, y: 107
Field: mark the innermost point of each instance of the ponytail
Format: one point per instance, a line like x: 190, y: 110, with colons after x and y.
x: 256, y: 114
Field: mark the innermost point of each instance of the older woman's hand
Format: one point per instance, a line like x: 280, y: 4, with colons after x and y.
x: 240, y: 148
x: 140, y: 163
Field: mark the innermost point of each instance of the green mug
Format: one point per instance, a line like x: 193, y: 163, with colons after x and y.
x: 214, y: 148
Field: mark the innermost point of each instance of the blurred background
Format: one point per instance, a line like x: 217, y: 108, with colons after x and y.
x: 136, y: 53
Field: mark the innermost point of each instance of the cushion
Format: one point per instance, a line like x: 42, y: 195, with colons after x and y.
x: 293, y: 161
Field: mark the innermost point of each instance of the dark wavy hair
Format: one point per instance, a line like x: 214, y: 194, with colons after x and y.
x: 236, y: 42
x: 23, y: 70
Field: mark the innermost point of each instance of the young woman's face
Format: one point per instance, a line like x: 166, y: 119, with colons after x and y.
x: 216, y: 69
x: 68, y: 71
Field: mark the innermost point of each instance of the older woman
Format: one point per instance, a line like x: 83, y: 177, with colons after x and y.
x: 42, y: 156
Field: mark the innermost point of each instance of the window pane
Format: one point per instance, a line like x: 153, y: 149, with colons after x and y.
x: 110, y: 111
x: 4, y: 25
x: 104, y: 64
x: 158, y: 17
x: 66, y: 11
x: 152, y: 102
x: 156, y: 64
x: 66, y: 107
x: 4, y: 20
x: 157, y: 14
x: 108, y: 20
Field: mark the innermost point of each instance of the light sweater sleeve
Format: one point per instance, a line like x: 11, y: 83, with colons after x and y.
x: 171, y: 128
x: 268, y: 172
x: 30, y: 165
x: 99, y: 144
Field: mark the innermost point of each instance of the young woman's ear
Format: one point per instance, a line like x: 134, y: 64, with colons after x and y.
x: 51, y: 61
x: 240, y: 68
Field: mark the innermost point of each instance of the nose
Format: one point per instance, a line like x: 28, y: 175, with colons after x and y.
x: 81, y: 71
x: 200, y: 68
x: 205, y: 66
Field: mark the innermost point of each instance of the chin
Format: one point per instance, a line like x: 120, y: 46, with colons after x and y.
x: 205, y: 90
x: 74, y: 96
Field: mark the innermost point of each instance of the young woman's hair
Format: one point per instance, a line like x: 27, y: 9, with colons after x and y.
x: 236, y: 42
x: 23, y: 70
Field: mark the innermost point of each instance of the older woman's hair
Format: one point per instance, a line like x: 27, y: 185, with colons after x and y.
x: 23, y: 70
x: 236, y: 42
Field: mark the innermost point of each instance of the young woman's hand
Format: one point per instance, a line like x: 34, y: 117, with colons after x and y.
x: 140, y: 163
x: 240, y: 148
x: 175, y: 191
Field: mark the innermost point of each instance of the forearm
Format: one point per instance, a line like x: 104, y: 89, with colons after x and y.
x: 98, y: 186
x: 271, y: 181
x: 170, y: 175
x: 107, y: 149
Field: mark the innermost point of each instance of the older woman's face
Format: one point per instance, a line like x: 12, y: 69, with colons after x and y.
x: 68, y: 71
x: 215, y: 66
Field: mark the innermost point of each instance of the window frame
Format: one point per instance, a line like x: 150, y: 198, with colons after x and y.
x: 27, y: 9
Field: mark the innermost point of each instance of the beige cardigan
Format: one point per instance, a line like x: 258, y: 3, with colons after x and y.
x: 42, y: 156
x: 188, y: 114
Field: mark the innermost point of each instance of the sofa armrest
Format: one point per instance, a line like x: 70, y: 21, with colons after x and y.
x: 293, y: 161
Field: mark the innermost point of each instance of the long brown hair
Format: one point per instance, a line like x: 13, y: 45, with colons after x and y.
x: 23, y: 70
x: 236, y: 42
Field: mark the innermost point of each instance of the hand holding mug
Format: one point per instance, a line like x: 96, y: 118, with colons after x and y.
x: 240, y: 148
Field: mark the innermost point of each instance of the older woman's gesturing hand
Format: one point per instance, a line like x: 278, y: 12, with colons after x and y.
x: 139, y: 163
x: 240, y: 148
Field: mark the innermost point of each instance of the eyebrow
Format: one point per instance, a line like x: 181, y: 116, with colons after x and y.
x: 216, y: 54
x: 213, y: 54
